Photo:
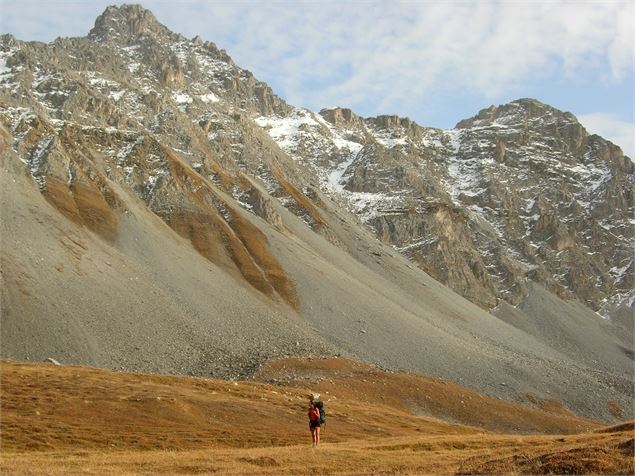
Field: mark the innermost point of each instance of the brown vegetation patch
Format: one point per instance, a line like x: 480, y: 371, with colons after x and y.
x: 86, y: 175
x: 94, y: 210
x: 626, y: 426
x: 550, y: 405
x: 225, y: 180
x: 247, y: 265
x: 74, y: 186
x: 303, y: 202
x: 261, y: 461
x: 216, y: 241
x: 304, y: 205
x: 583, y: 461
x: 201, y: 229
x: 256, y: 243
x: 59, y: 195
x: 83, y: 203
x: 245, y: 244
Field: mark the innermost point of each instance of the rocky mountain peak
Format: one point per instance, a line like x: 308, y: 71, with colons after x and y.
x: 515, y: 112
x: 526, y: 120
x: 7, y: 40
x: 125, y: 23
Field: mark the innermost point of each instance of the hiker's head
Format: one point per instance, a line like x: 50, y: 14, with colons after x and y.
x: 314, y: 397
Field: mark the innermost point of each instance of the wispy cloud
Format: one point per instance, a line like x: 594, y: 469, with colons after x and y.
x: 381, y: 56
x: 385, y: 56
x: 612, y: 128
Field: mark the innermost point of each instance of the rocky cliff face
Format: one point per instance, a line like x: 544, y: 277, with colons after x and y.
x: 518, y: 193
x: 163, y: 210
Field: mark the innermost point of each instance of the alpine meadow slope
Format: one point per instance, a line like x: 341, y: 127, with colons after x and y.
x: 164, y: 211
x: 159, y: 424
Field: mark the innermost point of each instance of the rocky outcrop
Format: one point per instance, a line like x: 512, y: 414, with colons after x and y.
x: 340, y: 116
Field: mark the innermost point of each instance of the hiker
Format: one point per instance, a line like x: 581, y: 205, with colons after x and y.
x: 314, y: 419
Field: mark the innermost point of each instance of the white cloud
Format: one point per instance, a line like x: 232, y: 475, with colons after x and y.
x: 389, y: 55
x: 385, y: 57
x: 622, y: 47
x: 619, y: 132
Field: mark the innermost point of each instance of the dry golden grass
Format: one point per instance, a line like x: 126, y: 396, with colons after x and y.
x: 473, y: 454
x: 78, y: 420
x: 49, y: 407
x: 421, y: 395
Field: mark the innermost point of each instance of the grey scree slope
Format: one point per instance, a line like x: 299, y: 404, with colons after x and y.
x: 151, y: 304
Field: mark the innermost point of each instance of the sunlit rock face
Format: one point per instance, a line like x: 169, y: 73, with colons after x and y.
x: 518, y: 193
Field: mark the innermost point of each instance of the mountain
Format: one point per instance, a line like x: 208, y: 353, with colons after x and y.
x: 519, y: 193
x: 165, y: 211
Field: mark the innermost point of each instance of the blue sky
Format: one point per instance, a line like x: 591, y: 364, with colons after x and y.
x: 436, y: 62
